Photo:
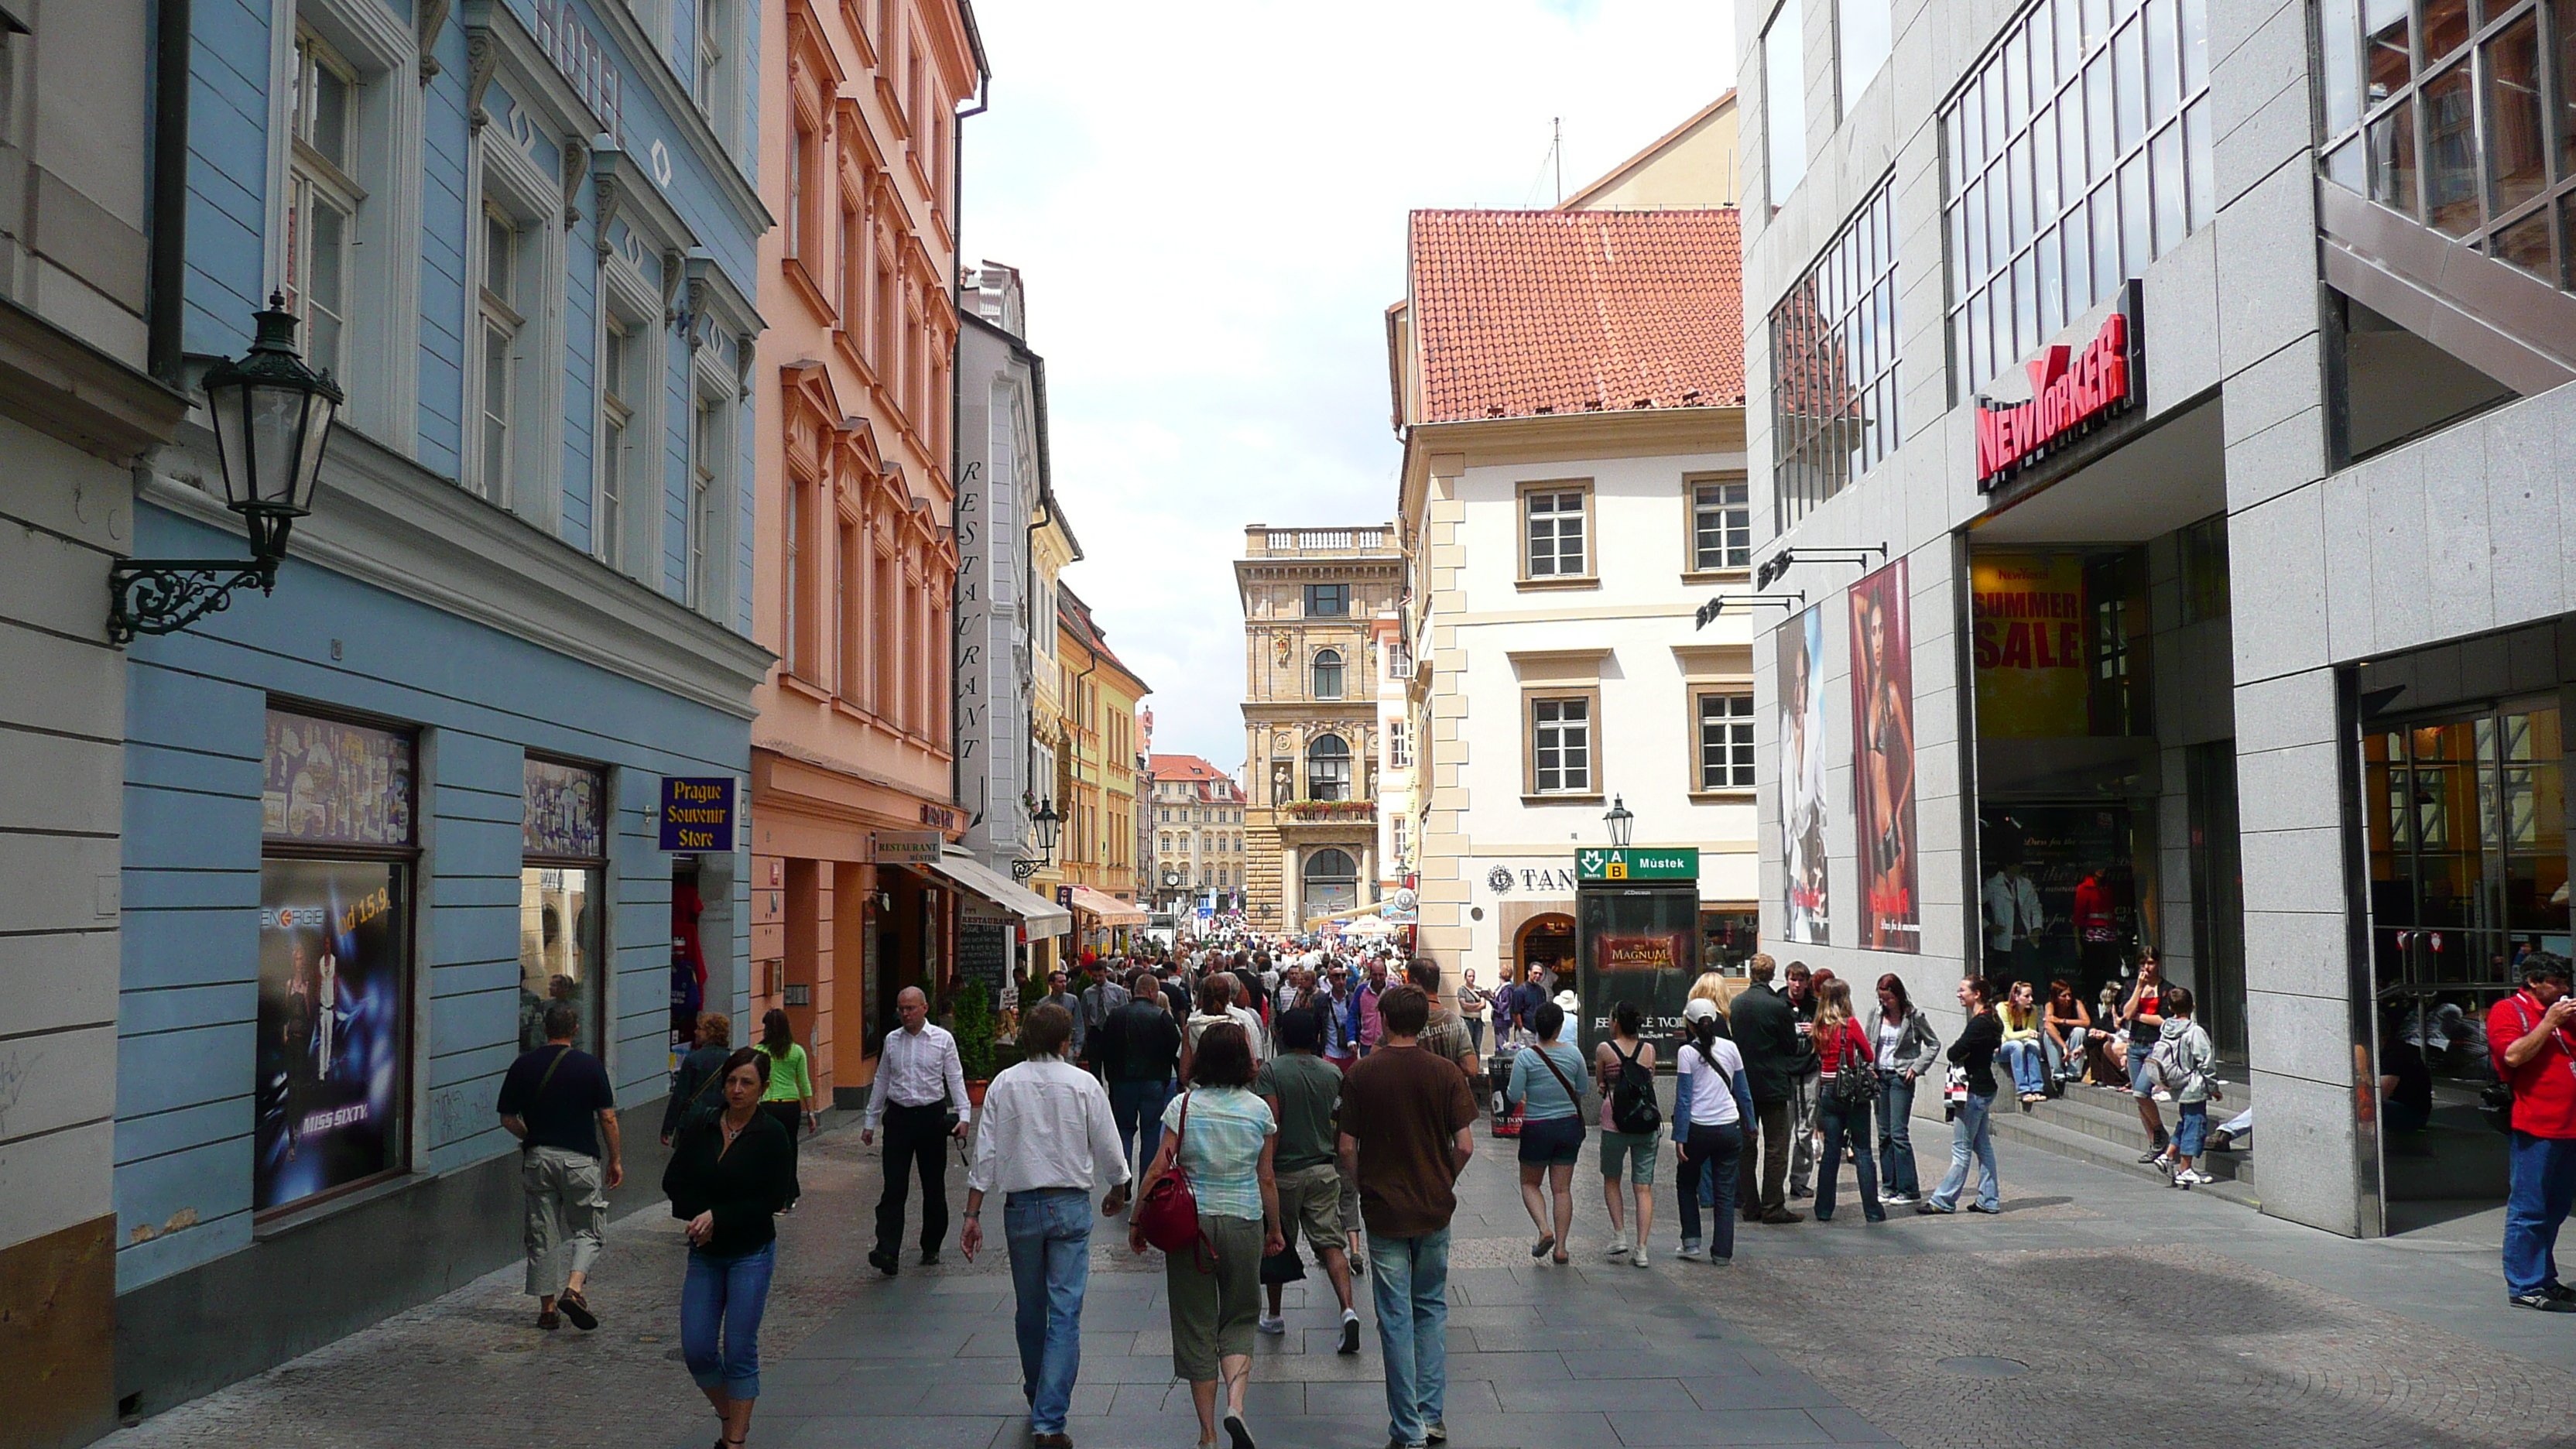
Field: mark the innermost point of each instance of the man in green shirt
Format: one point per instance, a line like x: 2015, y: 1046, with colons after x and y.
x: 1305, y: 1092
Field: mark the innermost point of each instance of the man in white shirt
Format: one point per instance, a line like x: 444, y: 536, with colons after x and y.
x: 2013, y: 920
x: 1048, y: 1139
x: 920, y: 1082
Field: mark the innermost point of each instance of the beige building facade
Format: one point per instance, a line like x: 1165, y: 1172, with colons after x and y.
x: 1310, y: 716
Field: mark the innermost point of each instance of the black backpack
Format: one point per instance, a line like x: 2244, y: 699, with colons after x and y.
x: 1632, y: 1098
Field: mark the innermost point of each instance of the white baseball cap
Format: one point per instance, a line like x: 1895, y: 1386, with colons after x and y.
x: 1699, y: 1008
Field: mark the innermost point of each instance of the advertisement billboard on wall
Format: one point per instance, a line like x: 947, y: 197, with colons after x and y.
x: 330, y: 1026
x: 1802, y: 778
x: 1882, y: 675
x: 2029, y: 622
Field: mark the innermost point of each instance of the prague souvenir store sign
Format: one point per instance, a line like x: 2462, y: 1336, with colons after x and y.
x: 696, y: 814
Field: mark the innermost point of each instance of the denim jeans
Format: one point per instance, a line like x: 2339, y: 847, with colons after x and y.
x: 720, y: 1305
x: 1971, y: 1135
x: 2191, y: 1129
x: 2028, y: 1065
x: 1411, y: 1286
x: 1896, y: 1135
x: 1137, y: 1108
x: 2544, y: 1186
x: 1049, y: 1232
x: 1840, y: 1126
x: 1713, y: 1155
x: 1805, y: 1088
x: 2064, y: 1061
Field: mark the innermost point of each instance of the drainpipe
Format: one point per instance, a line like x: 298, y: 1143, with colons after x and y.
x: 169, y: 214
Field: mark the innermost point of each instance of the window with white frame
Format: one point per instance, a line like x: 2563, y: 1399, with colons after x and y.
x: 707, y: 83
x: 1725, y: 741
x: 710, y: 444
x: 1553, y: 531
x: 496, y: 360
x: 616, y: 430
x: 1721, y: 525
x: 1561, y: 746
x: 323, y: 199
x: 1399, y: 744
x: 1403, y: 844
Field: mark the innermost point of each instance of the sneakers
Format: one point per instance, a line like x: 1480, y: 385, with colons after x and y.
x: 1692, y: 1253
x: 1637, y: 1259
x: 2191, y: 1177
x: 1929, y: 1208
x: 2164, y: 1162
x: 2541, y: 1302
x: 1240, y: 1437
x: 1436, y: 1432
x: 1978, y: 1207
x: 1267, y: 1324
x: 2559, y: 1291
x: 1894, y: 1199
x: 2153, y: 1155
x: 1350, y: 1333
x: 1618, y: 1249
x: 1783, y: 1215
x: 1051, y: 1441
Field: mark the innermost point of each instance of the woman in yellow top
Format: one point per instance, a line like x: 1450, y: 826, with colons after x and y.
x: 2021, y: 1050
x: 790, y: 1097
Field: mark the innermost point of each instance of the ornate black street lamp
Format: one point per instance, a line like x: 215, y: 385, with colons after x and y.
x: 1623, y: 823
x: 272, y: 418
x: 1047, y: 822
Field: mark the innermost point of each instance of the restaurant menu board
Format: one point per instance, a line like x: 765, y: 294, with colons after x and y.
x: 984, y: 953
x: 331, y: 783
x: 330, y: 1070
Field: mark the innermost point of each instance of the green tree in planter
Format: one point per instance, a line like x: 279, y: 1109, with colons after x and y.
x: 975, y: 1032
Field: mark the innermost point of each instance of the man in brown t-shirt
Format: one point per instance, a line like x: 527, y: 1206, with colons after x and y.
x: 1407, y: 1129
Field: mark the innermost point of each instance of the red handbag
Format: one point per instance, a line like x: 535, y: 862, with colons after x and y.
x: 1168, y: 1213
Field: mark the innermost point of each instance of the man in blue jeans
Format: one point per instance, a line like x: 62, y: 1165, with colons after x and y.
x: 1137, y: 1049
x: 2532, y: 1037
x: 1046, y: 1141
x: 1406, y: 1132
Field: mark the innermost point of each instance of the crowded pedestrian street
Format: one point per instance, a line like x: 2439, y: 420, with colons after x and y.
x: 2099, y: 1303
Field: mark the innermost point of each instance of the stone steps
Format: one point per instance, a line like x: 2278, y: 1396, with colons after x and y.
x: 2101, y: 1126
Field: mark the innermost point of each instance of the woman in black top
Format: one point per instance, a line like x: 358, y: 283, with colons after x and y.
x: 728, y: 1179
x: 1972, y: 1131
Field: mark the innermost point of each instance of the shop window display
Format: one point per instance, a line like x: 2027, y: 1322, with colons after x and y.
x: 561, y: 901
x: 334, y: 957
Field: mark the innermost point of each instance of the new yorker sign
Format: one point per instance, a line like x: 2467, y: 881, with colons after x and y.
x: 2071, y: 392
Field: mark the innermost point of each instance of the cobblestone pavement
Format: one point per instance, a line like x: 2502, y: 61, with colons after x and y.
x: 2099, y: 1309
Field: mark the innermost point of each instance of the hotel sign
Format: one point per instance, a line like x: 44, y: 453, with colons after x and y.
x: 2070, y: 393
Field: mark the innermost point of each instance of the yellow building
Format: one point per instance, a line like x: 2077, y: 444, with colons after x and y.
x: 1096, y: 768
x: 1692, y: 165
x: 1052, y: 548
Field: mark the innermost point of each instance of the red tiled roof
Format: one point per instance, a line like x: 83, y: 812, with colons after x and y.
x: 1521, y: 313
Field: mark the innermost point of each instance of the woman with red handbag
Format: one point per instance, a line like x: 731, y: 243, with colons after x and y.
x: 1210, y: 1203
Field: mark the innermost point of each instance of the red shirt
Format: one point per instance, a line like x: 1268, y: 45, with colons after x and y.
x: 1829, y: 1049
x: 2544, y: 1088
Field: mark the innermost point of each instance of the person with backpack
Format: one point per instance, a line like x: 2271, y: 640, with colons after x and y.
x: 1711, y: 1103
x: 1847, y: 1087
x: 2531, y: 1039
x: 1631, y: 1127
x: 697, y: 1086
x: 1546, y: 1079
x: 2180, y: 1064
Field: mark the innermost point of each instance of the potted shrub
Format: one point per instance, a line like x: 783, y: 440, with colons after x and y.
x: 974, y: 1030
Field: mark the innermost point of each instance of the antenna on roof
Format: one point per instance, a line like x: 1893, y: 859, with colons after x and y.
x: 1556, y: 149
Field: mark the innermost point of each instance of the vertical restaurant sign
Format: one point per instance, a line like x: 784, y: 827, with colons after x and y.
x: 329, y: 1055
x: 696, y: 813
x: 2069, y: 392
x: 1802, y: 778
x: 1882, y: 674
x: 2029, y: 653
x: 330, y: 783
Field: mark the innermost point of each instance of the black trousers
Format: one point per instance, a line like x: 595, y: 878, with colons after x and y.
x: 790, y: 1115
x: 916, y: 1139
x: 1762, y: 1173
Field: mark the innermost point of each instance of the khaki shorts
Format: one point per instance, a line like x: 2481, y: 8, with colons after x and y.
x: 1310, y: 1200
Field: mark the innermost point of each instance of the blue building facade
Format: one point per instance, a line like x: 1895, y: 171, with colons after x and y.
x: 377, y: 821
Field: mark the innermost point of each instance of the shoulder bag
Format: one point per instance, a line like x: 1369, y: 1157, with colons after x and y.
x: 528, y: 1144
x: 1855, y: 1084
x: 1168, y: 1213
x: 698, y: 1110
x: 1572, y: 1094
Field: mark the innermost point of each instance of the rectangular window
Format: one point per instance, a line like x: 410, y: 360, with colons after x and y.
x: 501, y: 323
x: 1721, y: 526
x: 1784, y: 102
x: 800, y: 188
x: 1864, y: 30
x: 323, y: 200
x: 1328, y: 601
x: 1725, y: 741
x: 792, y: 566
x: 853, y: 680
x: 1833, y: 359
x: 1553, y: 519
x: 563, y: 862
x: 1561, y: 746
x: 708, y: 88
x: 337, y: 807
x: 711, y: 442
x: 1399, y: 745
x: 616, y: 420
x: 854, y: 276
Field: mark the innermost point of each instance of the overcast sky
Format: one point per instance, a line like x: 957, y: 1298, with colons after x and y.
x: 1207, y: 202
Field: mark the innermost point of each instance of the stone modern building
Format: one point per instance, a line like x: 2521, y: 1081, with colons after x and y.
x: 1310, y: 716
x: 2161, y: 439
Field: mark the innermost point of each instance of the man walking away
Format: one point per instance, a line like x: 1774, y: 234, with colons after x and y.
x: 1805, y: 1079
x: 1139, y: 1049
x: 556, y: 1100
x: 1407, y: 1130
x: 1766, y: 1034
x: 1304, y: 1093
x: 2529, y: 1040
x: 1100, y: 998
x: 1047, y: 1141
x: 920, y: 1098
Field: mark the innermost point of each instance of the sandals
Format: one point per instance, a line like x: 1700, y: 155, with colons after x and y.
x: 577, y: 1308
x: 1545, y: 1242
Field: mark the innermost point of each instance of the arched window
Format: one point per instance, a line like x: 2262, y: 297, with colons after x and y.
x: 1328, y: 674
x: 1332, y: 883
x: 1328, y: 769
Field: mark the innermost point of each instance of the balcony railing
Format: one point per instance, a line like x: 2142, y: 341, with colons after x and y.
x: 1299, y: 542
x: 1308, y: 812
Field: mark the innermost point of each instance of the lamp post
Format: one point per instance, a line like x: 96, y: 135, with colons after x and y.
x: 1048, y: 822
x: 272, y: 418
x: 1623, y: 823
